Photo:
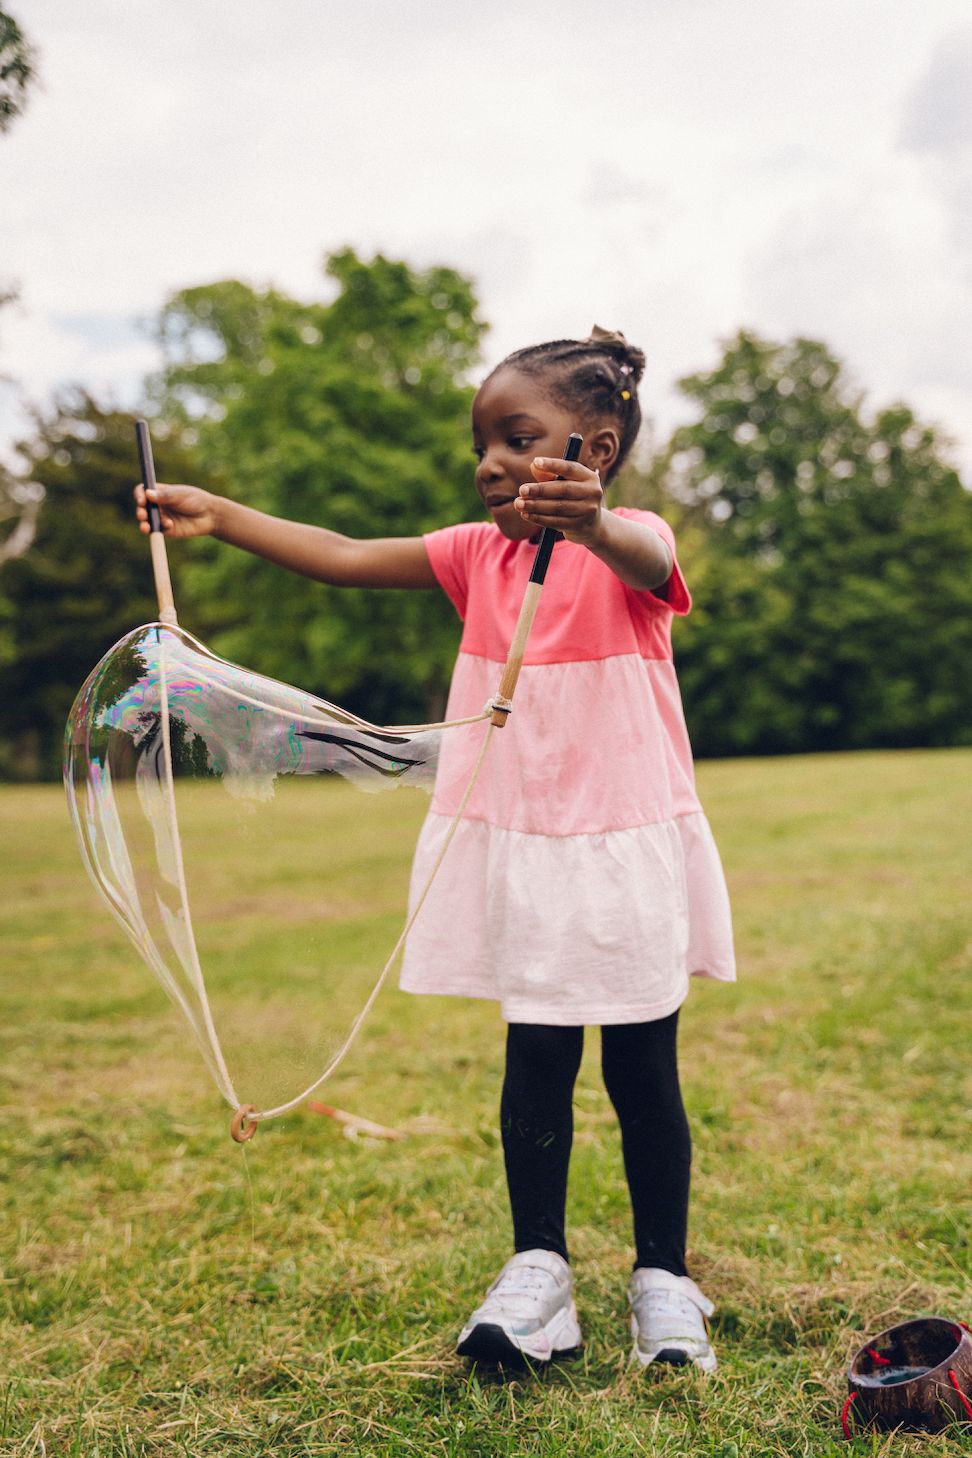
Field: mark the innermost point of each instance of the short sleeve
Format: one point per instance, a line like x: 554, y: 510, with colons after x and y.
x: 678, y: 597
x: 448, y: 551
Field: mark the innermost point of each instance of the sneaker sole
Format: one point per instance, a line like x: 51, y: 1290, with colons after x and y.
x: 488, y: 1342
x: 673, y: 1356
x: 677, y: 1357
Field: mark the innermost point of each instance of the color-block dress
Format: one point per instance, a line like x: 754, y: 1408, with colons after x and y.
x: 584, y: 885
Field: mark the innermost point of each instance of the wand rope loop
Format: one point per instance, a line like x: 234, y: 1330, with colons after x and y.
x: 358, y: 1023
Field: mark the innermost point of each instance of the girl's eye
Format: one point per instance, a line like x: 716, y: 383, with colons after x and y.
x: 521, y: 442
x: 478, y: 452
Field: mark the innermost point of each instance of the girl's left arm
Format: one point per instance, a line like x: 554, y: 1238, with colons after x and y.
x: 568, y: 497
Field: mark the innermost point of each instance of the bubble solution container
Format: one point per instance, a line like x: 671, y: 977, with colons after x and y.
x: 916, y: 1376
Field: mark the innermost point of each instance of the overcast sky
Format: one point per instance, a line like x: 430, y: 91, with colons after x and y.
x: 673, y: 168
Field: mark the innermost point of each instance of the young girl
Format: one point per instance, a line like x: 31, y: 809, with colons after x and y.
x: 583, y: 885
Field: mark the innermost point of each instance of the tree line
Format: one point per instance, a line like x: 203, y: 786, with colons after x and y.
x: 829, y: 553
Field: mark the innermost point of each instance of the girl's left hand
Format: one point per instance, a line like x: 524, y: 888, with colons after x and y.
x: 571, y: 505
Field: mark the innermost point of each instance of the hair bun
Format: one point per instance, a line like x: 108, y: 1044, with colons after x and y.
x: 629, y: 356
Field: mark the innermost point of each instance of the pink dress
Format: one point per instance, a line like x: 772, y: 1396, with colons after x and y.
x: 583, y: 885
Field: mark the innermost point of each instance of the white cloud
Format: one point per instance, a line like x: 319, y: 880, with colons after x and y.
x: 675, y: 169
x: 875, y: 258
x: 938, y: 116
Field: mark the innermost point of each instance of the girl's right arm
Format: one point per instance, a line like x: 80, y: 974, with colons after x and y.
x: 188, y: 511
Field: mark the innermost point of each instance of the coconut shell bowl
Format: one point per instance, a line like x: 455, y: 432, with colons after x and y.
x: 916, y: 1376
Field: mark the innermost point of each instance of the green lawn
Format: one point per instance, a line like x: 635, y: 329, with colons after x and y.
x: 148, y: 1305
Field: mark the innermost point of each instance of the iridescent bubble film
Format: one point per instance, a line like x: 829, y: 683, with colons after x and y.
x: 243, y: 835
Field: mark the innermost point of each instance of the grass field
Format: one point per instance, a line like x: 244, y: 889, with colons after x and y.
x: 149, y: 1305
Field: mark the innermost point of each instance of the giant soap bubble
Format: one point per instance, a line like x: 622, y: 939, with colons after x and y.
x: 221, y: 816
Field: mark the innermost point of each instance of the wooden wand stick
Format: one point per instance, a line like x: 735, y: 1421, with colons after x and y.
x: 503, y: 703
x: 160, y: 562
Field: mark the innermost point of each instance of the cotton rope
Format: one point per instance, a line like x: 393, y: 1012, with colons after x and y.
x: 359, y: 1020
x: 222, y: 1072
x: 247, y: 1116
x: 341, y: 715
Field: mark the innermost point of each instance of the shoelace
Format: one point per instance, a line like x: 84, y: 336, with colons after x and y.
x: 665, y: 1301
x: 525, y: 1281
x: 669, y: 1306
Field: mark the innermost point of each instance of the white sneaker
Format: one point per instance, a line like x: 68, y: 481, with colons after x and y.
x: 529, y: 1311
x: 667, y: 1319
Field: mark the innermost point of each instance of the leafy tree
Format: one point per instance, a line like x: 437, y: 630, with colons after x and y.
x: 352, y: 415
x: 20, y: 502
x: 832, y: 563
x: 16, y: 69
x: 84, y: 583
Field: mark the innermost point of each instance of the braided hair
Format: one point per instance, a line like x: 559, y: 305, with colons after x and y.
x: 596, y: 377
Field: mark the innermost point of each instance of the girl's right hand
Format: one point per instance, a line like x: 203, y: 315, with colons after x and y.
x: 187, y: 511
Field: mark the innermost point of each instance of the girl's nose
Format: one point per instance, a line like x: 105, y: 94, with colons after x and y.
x: 489, y: 468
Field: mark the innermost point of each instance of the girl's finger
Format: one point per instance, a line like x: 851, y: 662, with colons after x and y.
x: 556, y: 522
x: 548, y: 469
x: 550, y: 513
x: 553, y: 490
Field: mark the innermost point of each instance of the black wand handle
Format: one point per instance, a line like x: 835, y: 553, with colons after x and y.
x: 147, y: 465
x: 549, y: 535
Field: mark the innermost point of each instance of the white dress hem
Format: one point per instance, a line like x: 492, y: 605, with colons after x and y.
x: 575, y: 930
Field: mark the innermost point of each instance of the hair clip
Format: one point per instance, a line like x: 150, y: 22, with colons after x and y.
x: 625, y: 395
x: 626, y: 369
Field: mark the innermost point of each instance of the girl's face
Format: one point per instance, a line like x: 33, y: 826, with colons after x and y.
x: 513, y: 421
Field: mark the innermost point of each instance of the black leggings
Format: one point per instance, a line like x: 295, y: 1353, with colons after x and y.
x: 536, y: 1114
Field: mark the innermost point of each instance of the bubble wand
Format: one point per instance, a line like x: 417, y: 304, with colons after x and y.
x: 102, y: 840
x: 503, y: 702
x: 160, y: 561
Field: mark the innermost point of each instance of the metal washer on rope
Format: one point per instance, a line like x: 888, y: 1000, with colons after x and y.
x: 240, y: 1129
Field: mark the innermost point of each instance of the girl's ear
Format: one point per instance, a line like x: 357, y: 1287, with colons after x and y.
x: 601, y: 450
